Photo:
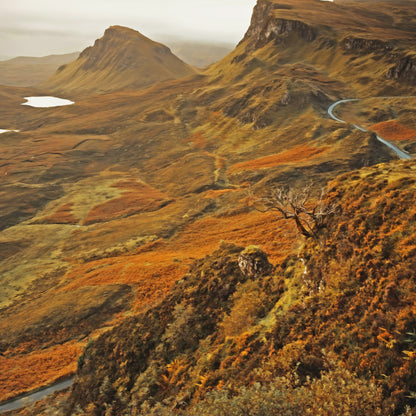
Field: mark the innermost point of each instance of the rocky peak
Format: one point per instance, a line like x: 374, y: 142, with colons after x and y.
x: 352, y: 44
x: 122, y: 31
x: 125, y: 37
x: 261, y: 12
x: 266, y: 26
x: 123, y: 58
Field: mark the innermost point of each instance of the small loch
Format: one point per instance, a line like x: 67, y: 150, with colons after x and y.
x: 46, y: 102
x: 5, y: 131
x: 42, y: 102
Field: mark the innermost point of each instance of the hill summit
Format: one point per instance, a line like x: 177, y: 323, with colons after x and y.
x: 122, y: 58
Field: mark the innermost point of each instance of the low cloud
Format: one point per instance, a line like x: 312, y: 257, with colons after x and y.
x: 47, y: 26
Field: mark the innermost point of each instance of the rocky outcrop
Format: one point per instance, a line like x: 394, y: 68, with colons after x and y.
x: 253, y: 262
x: 404, y: 69
x: 261, y: 13
x: 353, y: 44
x: 265, y: 27
x: 284, y: 27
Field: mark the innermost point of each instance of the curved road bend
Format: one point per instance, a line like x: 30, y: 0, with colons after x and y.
x: 33, y: 397
x: 399, y: 152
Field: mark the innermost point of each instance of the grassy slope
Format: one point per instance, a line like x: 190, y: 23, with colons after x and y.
x: 25, y: 71
x: 350, y: 294
x: 116, y: 192
x: 121, y: 59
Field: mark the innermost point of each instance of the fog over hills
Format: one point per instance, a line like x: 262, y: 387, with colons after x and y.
x: 48, y: 27
x: 26, y: 71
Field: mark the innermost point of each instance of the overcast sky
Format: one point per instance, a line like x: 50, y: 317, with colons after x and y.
x: 43, y: 27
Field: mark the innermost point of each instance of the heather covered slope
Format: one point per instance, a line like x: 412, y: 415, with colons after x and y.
x: 344, y: 299
x: 104, y: 203
x: 122, y: 59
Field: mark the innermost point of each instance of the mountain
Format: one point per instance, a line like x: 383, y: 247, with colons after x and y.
x: 123, y: 217
x: 24, y: 71
x: 123, y: 58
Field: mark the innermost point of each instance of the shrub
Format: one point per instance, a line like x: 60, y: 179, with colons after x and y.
x: 247, y: 305
x: 337, y: 392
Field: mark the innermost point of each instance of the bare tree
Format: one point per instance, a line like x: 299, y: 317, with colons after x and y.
x: 309, y: 213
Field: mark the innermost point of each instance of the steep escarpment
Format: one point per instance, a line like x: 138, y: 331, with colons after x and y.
x: 334, y: 38
x: 404, y: 69
x: 122, y: 58
x: 264, y: 27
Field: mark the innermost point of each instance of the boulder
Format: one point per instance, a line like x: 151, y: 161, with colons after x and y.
x: 253, y: 262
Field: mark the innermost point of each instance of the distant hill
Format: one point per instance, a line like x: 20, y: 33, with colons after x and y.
x: 200, y: 54
x: 24, y: 71
x: 123, y: 58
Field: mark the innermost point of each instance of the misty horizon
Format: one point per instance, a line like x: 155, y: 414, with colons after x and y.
x: 47, y: 28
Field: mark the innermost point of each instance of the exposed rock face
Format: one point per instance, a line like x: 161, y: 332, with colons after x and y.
x: 278, y: 27
x: 403, y: 70
x: 260, y: 16
x: 363, y: 46
x: 265, y: 28
x: 253, y: 262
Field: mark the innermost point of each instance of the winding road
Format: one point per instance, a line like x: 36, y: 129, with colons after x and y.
x: 33, y: 397
x: 399, y: 152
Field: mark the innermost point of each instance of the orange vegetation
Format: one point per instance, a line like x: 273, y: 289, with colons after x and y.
x: 392, y: 130
x: 138, y: 197
x: 197, y: 139
x: 63, y: 215
x: 297, y: 154
x: 156, y: 266
x: 20, y: 373
x: 216, y: 193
